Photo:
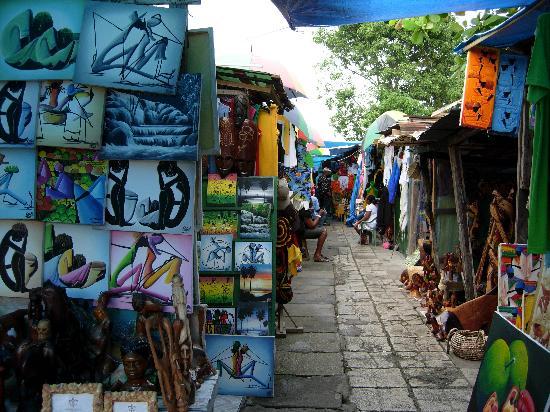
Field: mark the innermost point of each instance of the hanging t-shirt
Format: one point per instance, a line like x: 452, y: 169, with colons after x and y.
x: 538, y: 79
x: 290, y: 156
x: 388, y: 164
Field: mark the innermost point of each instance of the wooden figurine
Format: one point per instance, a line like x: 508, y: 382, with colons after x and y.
x: 135, y: 359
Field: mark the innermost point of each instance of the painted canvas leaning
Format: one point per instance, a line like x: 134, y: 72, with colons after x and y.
x: 71, y: 115
x: 165, y: 204
x: 17, y: 177
x: 216, y: 253
x: 153, y: 127
x: 131, y: 47
x: 18, y: 107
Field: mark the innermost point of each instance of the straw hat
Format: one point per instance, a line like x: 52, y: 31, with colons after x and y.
x: 283, y: 195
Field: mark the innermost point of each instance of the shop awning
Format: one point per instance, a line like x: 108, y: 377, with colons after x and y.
x: 521, y: 26
x: 303, y: 13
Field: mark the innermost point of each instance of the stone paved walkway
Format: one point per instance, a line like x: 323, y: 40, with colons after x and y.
x: 365, y: 346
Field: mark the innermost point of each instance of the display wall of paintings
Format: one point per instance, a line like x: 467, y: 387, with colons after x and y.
x: 114, y: 52
x: 17, y: 183
x: 519, y: 272
x: 21, y: 258
x: 221, y: 192
x: 18, y: 103
x: 245, y: 364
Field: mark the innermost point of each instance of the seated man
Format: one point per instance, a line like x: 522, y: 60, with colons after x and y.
x: 368, y: 221
x: 312, y: 228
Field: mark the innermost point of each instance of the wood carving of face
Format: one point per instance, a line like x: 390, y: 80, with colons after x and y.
x: 225, y: 161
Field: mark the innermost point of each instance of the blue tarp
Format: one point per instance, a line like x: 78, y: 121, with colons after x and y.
x: 303, y: 13
x: 521, y: 26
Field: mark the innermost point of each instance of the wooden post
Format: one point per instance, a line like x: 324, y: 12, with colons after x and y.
x: 461, y: 215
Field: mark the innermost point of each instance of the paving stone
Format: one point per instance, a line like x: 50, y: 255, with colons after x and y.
x: 388, y: 399
x: 369, y: 329
x: 361, y: 360
x: 424, y: 360
x: 309, y: 364
x: 367, y: 344
x: 314, y: 323
x: 408, y: 344
x: 299, y: 309
x: 376, y: 378
x: 310, y: 342
x: 443, y: 377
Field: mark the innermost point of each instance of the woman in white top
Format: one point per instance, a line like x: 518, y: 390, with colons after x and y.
x: 368, y: 221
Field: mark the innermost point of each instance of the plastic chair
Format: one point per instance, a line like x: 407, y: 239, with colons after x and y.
x: 372, y: 232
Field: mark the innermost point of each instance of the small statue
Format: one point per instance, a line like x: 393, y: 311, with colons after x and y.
x: 136, y: 358
x: 247, y: 145
x: 146, y: 308
x: 100, y: 341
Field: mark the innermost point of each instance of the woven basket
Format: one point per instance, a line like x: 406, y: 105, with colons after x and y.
x: 467, y: 344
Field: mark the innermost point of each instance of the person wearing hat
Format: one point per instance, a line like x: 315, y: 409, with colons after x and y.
x: 324, y: 191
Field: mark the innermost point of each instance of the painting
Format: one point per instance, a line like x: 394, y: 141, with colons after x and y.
x: 154, y: 127
x: 221, y: 192
x: 255, y: 190
x: 76, y: 257
x: 519, y: 271
x: 540, y: 321
x: 217, y: 290
x: 252, y: 254
x: 216, y: 253
x: 18, y: 107
x: 253, y: 318
x: 219, y: 222
x: 21, y: 262
x: 175, y: 3
x: 256, y: 283
x: 164, y: 204
x: 131, y: 47
x: 220, y: 321
x: 70, y: 186
x: 479, y: 88
x: 509, y: 93
x: 74, y: 397
x: 70, y: 115
x: 245, y: 364
x: 140, y: 401
x: 146, y: 263
x: 17, y: 176
x: 513, y: 375
x: 255, y: 221
x: 29, y: 25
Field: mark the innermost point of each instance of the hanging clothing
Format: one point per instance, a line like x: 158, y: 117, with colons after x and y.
x: 267, y: 162
x: 388, y: 163
x: 384, y: 217
x: 370, y: 159
x: 291, y: 160
x: 538, y: 80
x: 393, y: 184
x: 404, y: 184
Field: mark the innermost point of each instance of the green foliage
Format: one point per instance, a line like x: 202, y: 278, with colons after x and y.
x: 40, y: 23
x: 400, y: 74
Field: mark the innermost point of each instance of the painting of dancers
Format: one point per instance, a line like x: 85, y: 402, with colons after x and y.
x: 217, y: 290
x: 131, y: 47
x: 220, y: 321
x: 245, y: 364
x: 27, y: 26
x: 76, y: 257
x: 216, y: 253
x: 255, y: 190
x: 18, y: 102
x: 164, y: 204
x: 17, y: 176
x: 70, y: 115
x: 70, y: 186
x: 153, y: 127
x: 20, y: 257
x: 146, y: 263
x: 253, y: 254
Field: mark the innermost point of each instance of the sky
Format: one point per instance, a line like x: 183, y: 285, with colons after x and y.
x: 250, y: 31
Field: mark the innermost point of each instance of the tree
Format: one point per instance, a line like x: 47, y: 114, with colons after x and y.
x: 399, y: 74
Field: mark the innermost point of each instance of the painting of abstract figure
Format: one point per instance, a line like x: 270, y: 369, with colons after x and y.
x: 20, y: 257
x: 70, y: 186
x: 18, y: 101
x: 216, y: 253
x: 153, y: 127
x: 70, y: 115
x: 131, y: 47
x: 252, y: 254
x: 150, y: 196
x: 39, y: 40
x: 146, y: 263
x: 17, y: 176
x: 76, y: 257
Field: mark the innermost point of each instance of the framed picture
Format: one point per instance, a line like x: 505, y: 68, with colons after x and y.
x: 75, y: 397
x: 145, y: 401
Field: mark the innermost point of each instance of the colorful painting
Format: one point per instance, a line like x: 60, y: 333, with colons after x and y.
x: 70, y: 186
x: 146, y: 263
x: 513, y: 375
x: 164, y: 204
x: 253, y: 318
x: 17, y: 176
x: 509, y: 93
x: 217, y: 290
x: 18, y: 106
x: 256, y: 283
x: 220, y: 321
x: 255, y: 221
x: 480, y: 88
x: 221, y: 192
x: 76, y: 257
x: 245, y: 364
x: 219, y: 222
x: 70, y: 115
x: 255, y: 190
x: 518, y: 275
x: 252, y: 254
x: 216, y: 253
x: 540, y: 321
x: 131, y: 47
x: 27, y: 27
x: 21, y: 261
x: 154, y: 127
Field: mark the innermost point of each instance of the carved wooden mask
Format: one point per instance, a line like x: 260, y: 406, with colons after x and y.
x: 247, y: 145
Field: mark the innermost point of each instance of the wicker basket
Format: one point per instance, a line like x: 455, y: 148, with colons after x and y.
x: 467, y: 344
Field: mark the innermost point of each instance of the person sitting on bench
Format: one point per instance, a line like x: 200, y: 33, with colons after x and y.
x: 368, y: 221
x: 312, y: 228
